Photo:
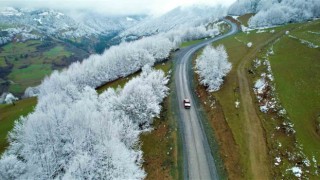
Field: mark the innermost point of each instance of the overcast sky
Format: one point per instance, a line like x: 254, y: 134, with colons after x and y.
x: 113, y: 7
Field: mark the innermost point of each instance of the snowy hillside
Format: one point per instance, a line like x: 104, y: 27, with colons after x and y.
x: 180, y: 16
x: 40, y: 23
x: 275, y: 12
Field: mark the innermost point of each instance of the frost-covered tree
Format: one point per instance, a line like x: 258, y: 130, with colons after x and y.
x: 10, y: 99
x: 141, y: 97
x: 178, y: 18
x: 191, y: 33
x: 120, y: 61
x: 77, y: 134
x: 11, y: 167
x: 212, y: 66
x: 276, y: 12
x: 158, y: 46
x: 240, y: 7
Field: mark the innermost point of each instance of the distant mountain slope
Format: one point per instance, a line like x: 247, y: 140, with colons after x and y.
x: 34, y: 42
x: 181, y: 16
x: 276, y: 12
x: 24, y: 24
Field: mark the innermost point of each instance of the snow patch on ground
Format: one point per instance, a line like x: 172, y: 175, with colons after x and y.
x: 129, y: 19
x: 9, y: 11
x: 261, y: 31
x: 278, y: 160
x: 260, y: 85
x: 296, y: 171
x: 38, y: 20
x: 257, y: 63
x: 238, y: 40
x: 302, y: 41
x: 249, y: 45
x: 235, y: 17
x: 44, y: 14
x: 59, y: 15
x: 311, y: 32
x: 237, y: 104
x: 265, y: 91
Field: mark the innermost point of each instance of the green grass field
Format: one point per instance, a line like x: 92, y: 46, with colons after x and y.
x: 228, y: 94
x: 237, y: 50
x: 189, y: 43
x: 9, y: 113
x: 4, y: 26
x: 32, y: 72
x: 21, y: 48
x: 57, y: 51
x: 296, y: 70
x: 310, y: 31
x: 2, y: 62
x: 244, y: 19
x: 297, y: 76
x: 30, y: 63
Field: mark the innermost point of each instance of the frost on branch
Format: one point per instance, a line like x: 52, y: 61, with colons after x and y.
x: 10, y: 99
x: 276, y: 12
x: 212, y: 66
x: 77, y: 134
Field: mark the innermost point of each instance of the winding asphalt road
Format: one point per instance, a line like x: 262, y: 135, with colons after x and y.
x: 199, y: 162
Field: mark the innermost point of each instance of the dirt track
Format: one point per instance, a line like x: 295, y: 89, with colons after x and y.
x: 257, y: 146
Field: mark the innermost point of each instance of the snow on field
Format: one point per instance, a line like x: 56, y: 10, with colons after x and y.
x: 235, y: 17
x: 19, y: 34
x: 265, y: 90
x: 318, y: 33
x: 260, y: 85
x: 261, y: 31
x: 278, y: 160
x: 44, y: 14
x: 237, y: 104
x: 296, y: 171
x: 9, y: 11
x: 257, y: 63
x: 244, y: 28
x: 302, y: 41
x: 270, y: 51
x: 288, y: 161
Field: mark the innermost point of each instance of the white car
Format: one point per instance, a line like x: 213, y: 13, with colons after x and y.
x: 186, y: 103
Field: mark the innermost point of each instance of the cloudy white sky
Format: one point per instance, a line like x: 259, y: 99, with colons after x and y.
x: 113, y: 7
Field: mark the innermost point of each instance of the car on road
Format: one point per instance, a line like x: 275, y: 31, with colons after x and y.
x: 186, y: 103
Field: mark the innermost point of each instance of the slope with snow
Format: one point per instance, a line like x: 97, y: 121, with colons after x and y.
x: 178, y: 17
x: 48, y: 22
x: 276, y: 12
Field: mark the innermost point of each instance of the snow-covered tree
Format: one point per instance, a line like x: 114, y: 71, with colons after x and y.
x: 141, y: 97
x: 158, y: 46
x: 178, y: 18
x: 77, y: 134
x: 212, y: 66
x: 286, y: 11
x: 10, y: 99
x: 276, y: 12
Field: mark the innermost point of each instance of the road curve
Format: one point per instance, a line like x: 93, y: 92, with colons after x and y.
x: 198, y: 160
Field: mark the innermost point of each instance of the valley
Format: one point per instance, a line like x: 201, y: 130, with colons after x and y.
x: 105, y: 91
x: 35, y: 60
